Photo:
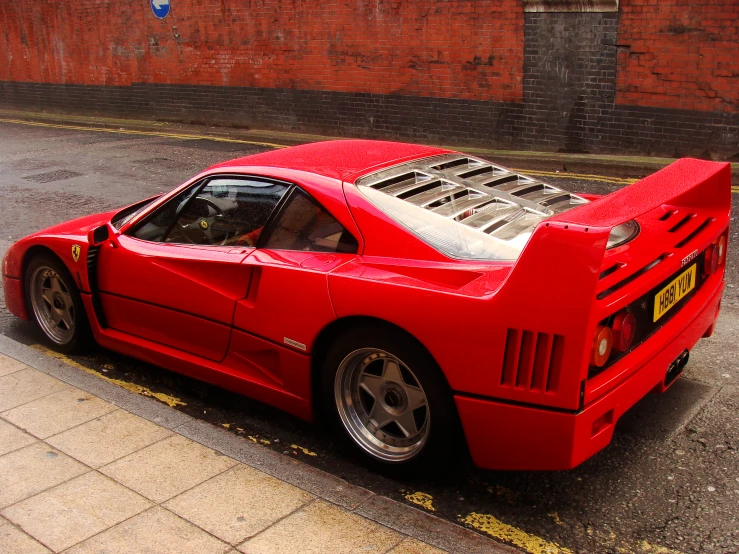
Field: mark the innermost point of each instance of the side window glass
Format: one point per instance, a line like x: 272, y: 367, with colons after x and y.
x: 155, y: 227
x: 227, y: 212
x: 304, y: 225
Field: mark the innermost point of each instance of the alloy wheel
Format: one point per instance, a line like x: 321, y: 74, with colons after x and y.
x: 52, y: 305
x: 382, y: 404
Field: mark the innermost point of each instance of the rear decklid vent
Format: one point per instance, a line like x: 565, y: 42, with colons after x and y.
x: 481, y: 195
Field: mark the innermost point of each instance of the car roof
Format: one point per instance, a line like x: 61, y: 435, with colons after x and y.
x: 344, y: 160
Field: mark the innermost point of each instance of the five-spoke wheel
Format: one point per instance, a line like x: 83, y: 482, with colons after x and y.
x: 382, y: 404
x: 388, y: 397
x: 52, y: 304
x: 55, y: 303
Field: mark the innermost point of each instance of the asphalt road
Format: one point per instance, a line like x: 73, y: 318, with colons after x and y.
x: 669, y: 482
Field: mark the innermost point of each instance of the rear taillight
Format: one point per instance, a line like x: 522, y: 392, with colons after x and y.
x: 602, y: 345
x: 710, y: 260
x: 721, y: 247
x: 624, y: 330
x: 714, y: 256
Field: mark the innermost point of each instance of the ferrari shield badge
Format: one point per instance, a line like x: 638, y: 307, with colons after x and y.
x: 76, y: 252
x: 203, y: 224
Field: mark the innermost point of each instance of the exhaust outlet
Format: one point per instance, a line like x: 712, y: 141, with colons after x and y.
x: 676, y: 367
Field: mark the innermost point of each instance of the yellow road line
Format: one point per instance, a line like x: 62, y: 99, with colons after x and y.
x: 534, y: 544
x: 142, y: 133
x: 583, y: 176
x: 422, y: 499
x: 588, y: 177
x: 526, y: 541
x: 138, y: 389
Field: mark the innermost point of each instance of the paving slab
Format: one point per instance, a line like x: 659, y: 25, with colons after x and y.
x: 168, y: 468
x: 12, y: 438
x: 321, y: 527
x: 239, y: 503
x: 76, y: 510
x: 14, y: 540
x: 25, y: 386
x: 58, y: 412
x: 156, y: 531
x: 315, y: 481
x: 33, y: 469
x: 171, y: 465
x: 108, y: 438
x: 9, y: 365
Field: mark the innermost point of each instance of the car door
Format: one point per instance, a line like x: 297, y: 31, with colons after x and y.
x: 288, y: 302
x: 175, y: 277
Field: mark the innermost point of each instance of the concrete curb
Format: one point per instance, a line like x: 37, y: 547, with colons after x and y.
x: 399, y: 517
x: 631, y: 163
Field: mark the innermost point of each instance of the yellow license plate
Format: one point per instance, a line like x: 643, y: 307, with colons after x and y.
x: 681, y: 285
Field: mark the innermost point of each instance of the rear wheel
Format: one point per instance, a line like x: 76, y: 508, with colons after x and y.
x: 55, y: 303
x: 388, y: 398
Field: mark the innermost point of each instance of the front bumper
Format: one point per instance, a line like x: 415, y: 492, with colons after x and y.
x: 513, y: 436
x: 14, y: 299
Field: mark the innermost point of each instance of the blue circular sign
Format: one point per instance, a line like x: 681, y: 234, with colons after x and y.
x: 160, y: 8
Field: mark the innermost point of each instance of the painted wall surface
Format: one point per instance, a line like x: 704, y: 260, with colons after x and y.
x: 681, y: 54
x: 467, y: 49
x: 656, y: 77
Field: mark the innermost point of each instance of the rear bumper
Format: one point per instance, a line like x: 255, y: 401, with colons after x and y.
x: 509, y: 436
x: 14, y: 299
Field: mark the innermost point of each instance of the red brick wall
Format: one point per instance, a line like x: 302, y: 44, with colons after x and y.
x: 468, y: 49
x: 681, y: 54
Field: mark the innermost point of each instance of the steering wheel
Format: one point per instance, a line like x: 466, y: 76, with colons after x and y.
x: 202, y: 225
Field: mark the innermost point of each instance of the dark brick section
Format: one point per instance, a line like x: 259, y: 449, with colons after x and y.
x: 336, y: 113
x: 667, y: 132
x: 570, y: 68
x: 569, y: 79
x: 597, y: 126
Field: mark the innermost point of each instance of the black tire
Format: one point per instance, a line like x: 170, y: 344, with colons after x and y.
x: 44, y: 267
x: 432, y: 454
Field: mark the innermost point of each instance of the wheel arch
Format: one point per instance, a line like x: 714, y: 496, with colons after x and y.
x: 25, y: 258
x: 331, y: 332
x: 40, y: 250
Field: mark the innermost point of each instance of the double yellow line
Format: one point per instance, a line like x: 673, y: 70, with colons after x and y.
x: 584, y: 176
x: 189, y: 136
x: 181, y: 136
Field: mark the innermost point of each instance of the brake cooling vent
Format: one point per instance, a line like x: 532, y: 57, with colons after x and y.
x: 532, y: 361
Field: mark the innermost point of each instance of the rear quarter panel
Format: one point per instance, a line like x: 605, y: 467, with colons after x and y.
x: 445, y: 307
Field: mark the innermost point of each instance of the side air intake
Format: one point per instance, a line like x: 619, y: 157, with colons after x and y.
x: 532, y: 361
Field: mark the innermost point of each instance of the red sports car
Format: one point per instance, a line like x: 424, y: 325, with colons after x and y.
x: 412, y: 295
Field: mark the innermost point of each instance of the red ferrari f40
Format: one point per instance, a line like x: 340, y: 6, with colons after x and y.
x: 416, y: 297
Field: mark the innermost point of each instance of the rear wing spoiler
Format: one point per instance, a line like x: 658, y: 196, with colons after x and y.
x: 686, y: 182
x: 556, y: 280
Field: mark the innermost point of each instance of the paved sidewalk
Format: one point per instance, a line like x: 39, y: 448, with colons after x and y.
x: 81, y: 474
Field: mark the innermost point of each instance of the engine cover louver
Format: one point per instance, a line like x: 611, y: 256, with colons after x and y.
x: 474, y: 192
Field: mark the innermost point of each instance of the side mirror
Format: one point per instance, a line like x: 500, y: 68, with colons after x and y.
x: 99, y: 235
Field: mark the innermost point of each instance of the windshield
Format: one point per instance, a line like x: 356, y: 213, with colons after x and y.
x: 124, y: 216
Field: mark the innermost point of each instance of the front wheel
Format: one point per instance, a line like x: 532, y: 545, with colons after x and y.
x: 56, y: 304
x: 388, y: 397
